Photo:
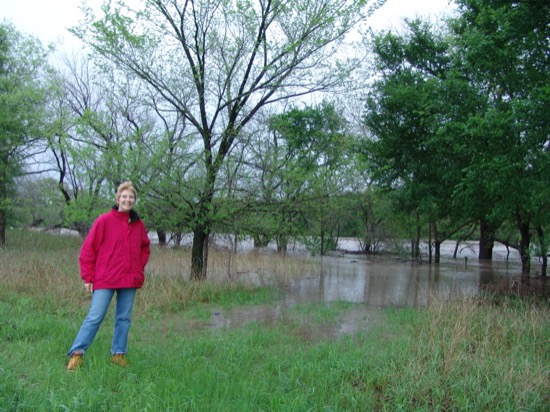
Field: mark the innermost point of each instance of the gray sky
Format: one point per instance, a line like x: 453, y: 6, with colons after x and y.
x: 48, y: 20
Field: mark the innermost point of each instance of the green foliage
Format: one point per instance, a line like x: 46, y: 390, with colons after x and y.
x: 412, y: 154
x: 81, y: 213
x: 23, y: 91
x: 510, y: 137
x: 303, y: 172
x: 319, y: 245
x: 456, y: 132
x: 456, y: 114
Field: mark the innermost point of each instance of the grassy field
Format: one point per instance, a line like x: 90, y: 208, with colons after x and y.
x: 470, y: 355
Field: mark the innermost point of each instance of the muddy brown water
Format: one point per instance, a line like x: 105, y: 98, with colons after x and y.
x: 374, y: 284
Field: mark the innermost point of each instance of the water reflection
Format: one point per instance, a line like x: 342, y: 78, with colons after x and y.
x: 387, y: 283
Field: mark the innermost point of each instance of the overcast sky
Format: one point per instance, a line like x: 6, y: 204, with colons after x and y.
x: 48, y: 20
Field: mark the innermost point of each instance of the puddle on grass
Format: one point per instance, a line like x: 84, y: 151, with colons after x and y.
x: 350, y: 321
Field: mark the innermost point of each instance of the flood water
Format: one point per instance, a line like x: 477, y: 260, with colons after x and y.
x: 382, y: 283
x: 377, y: 283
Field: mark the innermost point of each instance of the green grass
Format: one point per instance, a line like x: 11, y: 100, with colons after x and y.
x: 468, y: 355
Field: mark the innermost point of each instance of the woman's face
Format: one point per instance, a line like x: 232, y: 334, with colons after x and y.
x: 126, y: 201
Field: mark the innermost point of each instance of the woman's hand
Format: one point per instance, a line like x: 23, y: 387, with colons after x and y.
x: 89, y: 287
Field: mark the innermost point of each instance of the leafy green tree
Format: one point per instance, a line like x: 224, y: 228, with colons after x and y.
x: 23, y: 95
x: 407, y: 111
x: 168, y: 183
x: 217, y: 63
x: 260, y: 209
x: 504, y: 49
x: 484, y: 100
x: 359, y: 219
x: 313, y: 165
x: 85, y: 143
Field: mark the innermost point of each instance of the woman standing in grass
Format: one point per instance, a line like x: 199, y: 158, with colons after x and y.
x: 112, y: 259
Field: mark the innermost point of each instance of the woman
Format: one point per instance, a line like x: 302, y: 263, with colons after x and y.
x: 112, y: 259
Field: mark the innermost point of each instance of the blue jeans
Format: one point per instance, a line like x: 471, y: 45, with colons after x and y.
x: 98, y: 309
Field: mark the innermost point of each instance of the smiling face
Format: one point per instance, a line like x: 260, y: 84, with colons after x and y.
x: 126, y: 201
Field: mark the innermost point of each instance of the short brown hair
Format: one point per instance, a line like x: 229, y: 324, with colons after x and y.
x: 125, y: 186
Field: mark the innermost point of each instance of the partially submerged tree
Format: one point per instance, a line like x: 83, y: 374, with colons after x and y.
x: 461, y: 120
x: 504, y: 48
x: 408, y: 110
x: 218, y: 63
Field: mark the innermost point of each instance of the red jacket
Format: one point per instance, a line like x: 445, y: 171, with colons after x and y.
x: 115, y: 252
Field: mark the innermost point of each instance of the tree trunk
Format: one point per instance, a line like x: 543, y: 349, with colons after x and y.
x: 413, y: 249
x: 261, y: 240
x: 199, y: 254
x: 369, y: 226
x: 543, y: 251
x: 524, y: 244
x: 416, y: 242
x: 430, y: 250
x: 416, y: 252
x: 486, y: 240
x: 437, y: 244
x: 437, y: 250
x: 2, y: 228
x: 203, y: 225
x: 162, y: 237
x: 323, y: 251
x: 282, y: 244
x: 455, y: 251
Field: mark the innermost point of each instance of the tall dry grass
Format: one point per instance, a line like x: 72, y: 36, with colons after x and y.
x: 45, y: 266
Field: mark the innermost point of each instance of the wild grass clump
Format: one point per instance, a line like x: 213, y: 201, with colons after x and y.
x: 43, y: 267
x: 225, y: 265
x: 473, y: 353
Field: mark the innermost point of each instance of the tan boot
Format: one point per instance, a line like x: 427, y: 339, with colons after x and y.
x: 75, y: 361
x: 120, y: 360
